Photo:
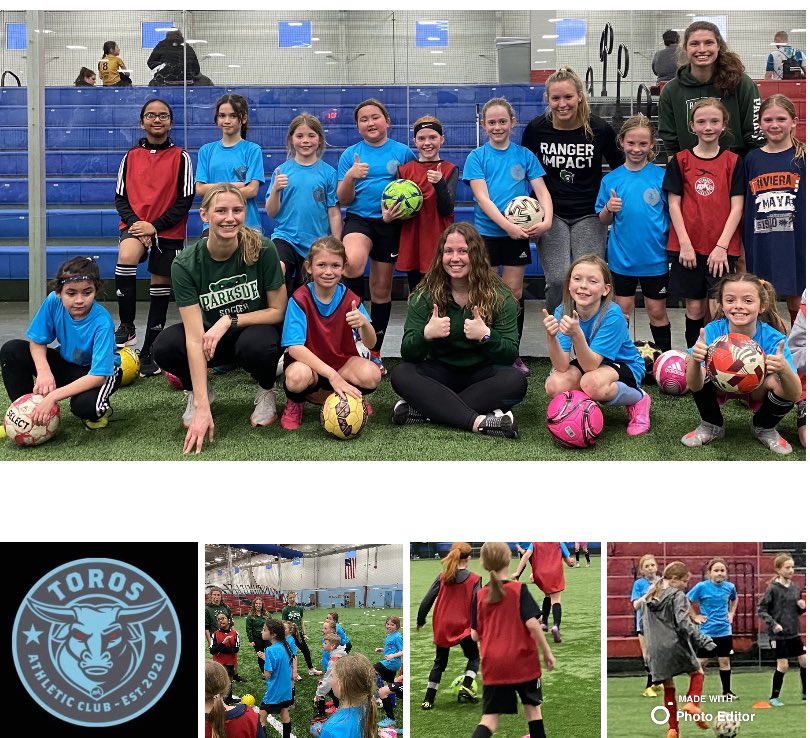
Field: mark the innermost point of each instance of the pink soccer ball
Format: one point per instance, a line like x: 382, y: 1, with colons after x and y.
x: 173, y: 380
x: 19, y: 428
x: 574, y: 419
x: 669, y: 371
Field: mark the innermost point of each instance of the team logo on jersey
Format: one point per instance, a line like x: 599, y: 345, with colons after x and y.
x: 240, y: 172
x: 319, y: 193
x: 96, y: 642
x: 518, y: 172
x: 652, y: 196
x: 391, y: 167
x: 566, y: 176
x: 704, y: 186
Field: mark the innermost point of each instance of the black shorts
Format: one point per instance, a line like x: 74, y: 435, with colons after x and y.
x: 697, y: 283
x: 785, y: 649
x: 505, y: 251
x: 501, y: 699
x: 385, y: 673
x: 293, y: 264
x: 384, y: 237
x: 653, y: 288
x: 160, y: 255
x: 276, y: 707
x: 723, y: 648
x: 626, y: 375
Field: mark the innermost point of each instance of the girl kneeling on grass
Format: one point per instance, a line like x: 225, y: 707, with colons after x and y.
x: 322, y: 316
x: 747, y: 305
x: 85, y: 367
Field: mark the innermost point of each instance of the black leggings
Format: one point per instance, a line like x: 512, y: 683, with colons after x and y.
x: 454, y: 396
x: 302, y: 646
x: 470, y: 649
x: 19, y: 371
x: 255, y: 348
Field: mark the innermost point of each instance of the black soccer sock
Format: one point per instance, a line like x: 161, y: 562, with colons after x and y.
x: 773, y: 409
x: 286, y: 730
x: 556, y: 613
x: 649, y: 679
x: 536, y: 729
x: 576, y: 553
x: 520, y: 317
x: 388, y: 707
x: 414, y: 278
x: 356, y: 285
x: 778, y: 678
x: 587, y: 556
x: 125, y: 292
x: 430, y: 695
x: 692, y: 332
x: 159, y: 297
x: 707, y: 405
x: 481, y: 731
x: 725, y: 680
x: 545, y: 610
x: 803, y: 675
x: 662, y: 336
x: 380, y: 315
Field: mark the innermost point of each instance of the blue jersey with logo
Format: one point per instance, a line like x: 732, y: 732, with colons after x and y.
x: 382, y: 169
x: 393, y: 644
x: 640, y: 587
x: 507, y: 173
x: 279, y: 685
x: 303, y: 215
x: 765, y: 335
x: 346, y: 722
x: 344, y: 639
x: 713, y: 599
x: 240, y: 163
x: 637, y: 244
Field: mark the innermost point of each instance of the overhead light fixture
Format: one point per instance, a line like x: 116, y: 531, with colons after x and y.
x: 541, y: 61
x: 196, y: 41
x: 213, y: 54
x: 295, y: 23
x: 439, y: 64
x: 165, y: 30
x: 235, y: 66
x: 552, y: 35
x: 45, y: 30
x: 323, y: 52
x: 798, y: 30
x: 314, y: 39
x: 75, y: 47
x: 555, y: 20
x: 437, y: 52
x: 540, y: 51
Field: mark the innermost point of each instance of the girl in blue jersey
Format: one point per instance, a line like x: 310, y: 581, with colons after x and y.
x: 278, y: 673
x: 747, y: 305
x: 364, y: 169
x: 319, y: 326
x: 85, y: 367
x: 497, y: 172
x: 344, y: 639
x: 607, y: 367
x: 647, y: 567
x: 714, y: 602
x: 631, y: 198
x: 291, y: 632
x: 390, y: 664
x: 302, y: 198
x: 233, y: 159
x: 353, y: 685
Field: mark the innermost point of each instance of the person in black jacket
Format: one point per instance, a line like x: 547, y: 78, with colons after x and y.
x: 167, y: 60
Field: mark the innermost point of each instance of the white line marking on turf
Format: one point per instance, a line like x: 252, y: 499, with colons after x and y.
x: 276, y: 725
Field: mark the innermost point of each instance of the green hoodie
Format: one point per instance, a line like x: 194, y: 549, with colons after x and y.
x: 679, y: 97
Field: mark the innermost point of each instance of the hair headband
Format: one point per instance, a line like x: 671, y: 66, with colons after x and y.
x: 77, y: 278
x: 427, y: 124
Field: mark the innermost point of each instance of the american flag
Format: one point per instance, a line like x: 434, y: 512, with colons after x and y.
x: 350, y: 566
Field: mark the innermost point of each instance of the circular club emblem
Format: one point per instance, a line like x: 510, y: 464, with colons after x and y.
x: 518, y: 172
x: 96, y: 642
x: 652, y: 196
x: 391, y: 167
x: 704, y: 186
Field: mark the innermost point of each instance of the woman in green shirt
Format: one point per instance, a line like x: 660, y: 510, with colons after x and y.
x: 460, y: 340
x: 254, y: 622
x: 295, y: 614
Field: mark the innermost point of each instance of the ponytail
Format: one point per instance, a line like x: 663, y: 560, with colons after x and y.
x: 357, y: 688
x: 675, y: 570
x: 217, y: 684
x: 495, y: 557
x: 450, y: 562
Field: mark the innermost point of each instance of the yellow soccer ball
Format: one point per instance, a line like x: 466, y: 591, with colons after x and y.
x: 130, y: 364
x: 344, y: 419
x: 248, y: 699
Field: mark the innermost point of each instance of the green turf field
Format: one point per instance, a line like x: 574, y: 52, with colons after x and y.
x: 571, y: 693
x: 628, y: 713
x: 366, y: 631
x: 146, y: 426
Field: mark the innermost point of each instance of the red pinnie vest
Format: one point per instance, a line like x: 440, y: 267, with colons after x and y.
x: 451, y: 620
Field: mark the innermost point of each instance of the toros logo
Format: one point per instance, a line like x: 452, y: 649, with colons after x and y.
x: 704, y: 186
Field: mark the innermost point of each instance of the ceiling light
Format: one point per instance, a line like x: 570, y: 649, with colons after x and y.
x: 213, y: 54
x: 75, y: 47
x: 235, y: 66
x: 552, y: 35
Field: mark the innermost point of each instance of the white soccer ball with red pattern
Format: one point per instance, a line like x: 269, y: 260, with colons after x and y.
x: 524, y: 211
x: 19, y: 428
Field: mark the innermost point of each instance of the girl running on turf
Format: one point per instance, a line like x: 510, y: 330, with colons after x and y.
x: 364, y: 169
x: 497, y: 172
x: 780, y: 608
x: 714, y: 602
x: 85, y: 367
x: 647, y: 568
x: 295, y: 614
x: 705, y: 189
x: 672, y: 639
x: 747, y: 306
x: 547, y: 574
x: 319, y: 336
x: 353, y: 685
x: 607, y: 367
x: 233, y: 159
x: 775, y: 205
x: 631, y: 199
x: 454, y: 591
x: 344, y: 639
x: 506, y: 613
x: 278, y: 660
x: 302, y: 198
x: 254, y: 622
x: 221, y: 720
x: 438, y: 181
x: 584, y: 548
x: 387, y: 668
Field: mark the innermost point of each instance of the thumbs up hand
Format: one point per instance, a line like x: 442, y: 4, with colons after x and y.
x: 437, y: 327
x: 280, y: 181
x: 475, y: 329
x: 614, y: 204
x: 777, y: 363
x: 550, y: 323
x: 434, y: 175
x: 354, y: 317
x: 700, y: 349
x: 358, y: 170
x: 569, y: 325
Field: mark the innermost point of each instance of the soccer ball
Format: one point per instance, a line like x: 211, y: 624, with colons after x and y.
x: 344, y: 419
x: 455, y: 685
x: 669, y: 371
x: 19, y: 428
x: 726, y: 726
x: 649, y: 352
x: 574, y: 419
x: 248, y: 699
x: 130, y: 364
x: 735, y: 363
x: 524, y: 211
x: 406, y: 193
x: 173, y: 380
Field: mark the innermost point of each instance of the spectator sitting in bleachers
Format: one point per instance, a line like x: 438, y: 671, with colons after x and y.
x: 86, y: 78
x: 167, y: 62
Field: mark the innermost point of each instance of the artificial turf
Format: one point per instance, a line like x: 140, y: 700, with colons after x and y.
x: 145, y: 426
x: 571, y: 692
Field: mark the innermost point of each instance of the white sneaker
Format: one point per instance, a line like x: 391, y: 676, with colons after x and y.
x: 188, y: 415
x: 265, y: 412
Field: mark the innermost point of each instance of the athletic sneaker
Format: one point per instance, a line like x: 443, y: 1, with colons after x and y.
x: 404, y: 414
x: 544, y: 627
x: 188, y: 415
x: 427, y: 705
x: 290, y: 420
x: 649, y: 692
x: 148, y: 366
x: 100, y: 423
x: 639, y: 416
x: 312, y: 672
x: 576, y: 566
x: 125, y: 335
x: 770, y: 438
x: 465, y: 694
x: 521, y: 367
x: 693, y: 709
x: 377, y: 359
x: 703, y: 434
x: 386, y: 723
x: 265, y: 411
x: 730, y: 696
x: 775, y: 702
x: 555, y: 633
x: 659, y: 688
x: 503, y: 425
